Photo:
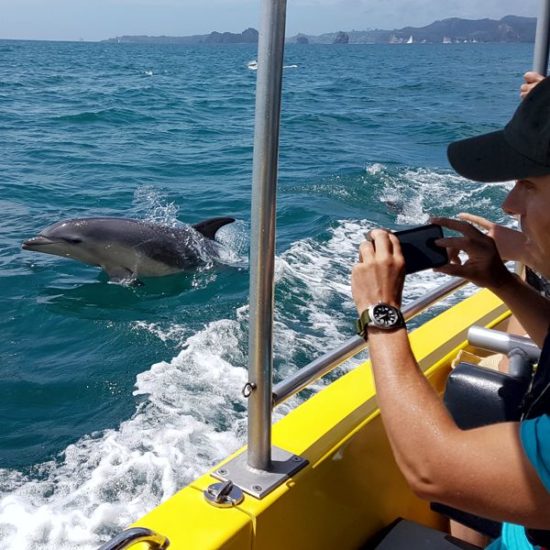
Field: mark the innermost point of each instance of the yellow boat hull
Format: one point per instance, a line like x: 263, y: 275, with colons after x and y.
x: 351, y: 487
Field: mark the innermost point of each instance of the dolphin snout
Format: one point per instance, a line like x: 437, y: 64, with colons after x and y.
x: 36, y: 242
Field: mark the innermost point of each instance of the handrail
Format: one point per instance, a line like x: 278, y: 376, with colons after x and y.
x: 502, y: 342
x: 329, y: 361
x: 134, y: 535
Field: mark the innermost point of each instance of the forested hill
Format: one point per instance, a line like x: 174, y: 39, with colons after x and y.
x: 508, y: 29
x: 511, y: 28
x: 245, y: 37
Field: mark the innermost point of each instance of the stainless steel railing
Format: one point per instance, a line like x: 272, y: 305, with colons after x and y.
x: 329, y: 361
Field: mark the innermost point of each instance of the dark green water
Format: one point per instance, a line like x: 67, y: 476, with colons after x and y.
x: 113, y: 397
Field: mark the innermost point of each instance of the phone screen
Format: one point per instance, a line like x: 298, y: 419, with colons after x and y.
x: 419, y: 249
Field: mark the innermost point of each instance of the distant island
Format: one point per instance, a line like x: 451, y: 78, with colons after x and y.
x: 248, y: 36
x: 511, y: 28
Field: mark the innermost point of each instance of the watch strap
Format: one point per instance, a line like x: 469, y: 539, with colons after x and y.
x: 362, y: 323
x: 365, y: 320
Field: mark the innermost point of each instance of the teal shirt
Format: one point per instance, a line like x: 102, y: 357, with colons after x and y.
x: 535, y: 438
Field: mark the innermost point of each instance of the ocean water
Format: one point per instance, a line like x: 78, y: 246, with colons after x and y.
x: 114, y: 396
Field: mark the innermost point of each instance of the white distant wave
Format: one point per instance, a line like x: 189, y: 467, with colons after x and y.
x: 253, y: 65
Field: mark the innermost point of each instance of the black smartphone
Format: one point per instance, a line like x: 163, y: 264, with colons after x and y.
x: 419, y: 249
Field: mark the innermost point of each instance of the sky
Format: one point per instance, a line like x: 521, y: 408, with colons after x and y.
x: 100, y: 19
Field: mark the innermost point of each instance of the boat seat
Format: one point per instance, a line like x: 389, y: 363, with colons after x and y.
x: 477, y: 396
x: 403, y: 534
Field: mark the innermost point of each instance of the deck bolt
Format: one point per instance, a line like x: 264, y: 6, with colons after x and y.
x: 296, y: 458
x: 222, y: 471
x: 257, y: 488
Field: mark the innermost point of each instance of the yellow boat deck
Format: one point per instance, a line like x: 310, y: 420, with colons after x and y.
x: 351, y: 487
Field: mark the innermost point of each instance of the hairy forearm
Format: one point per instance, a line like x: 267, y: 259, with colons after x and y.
x: 417, y: 423
x: 531, y: 309
x: 461, y: 468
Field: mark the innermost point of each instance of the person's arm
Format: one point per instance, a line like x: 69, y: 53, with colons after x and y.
x: 475, y: 470
x: 485, y: 268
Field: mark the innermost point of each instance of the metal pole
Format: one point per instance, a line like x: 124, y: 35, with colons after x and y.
x: 262, y: 242
x: 540, y: 58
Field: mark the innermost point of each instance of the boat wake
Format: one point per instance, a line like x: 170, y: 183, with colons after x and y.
x: 189, y: 410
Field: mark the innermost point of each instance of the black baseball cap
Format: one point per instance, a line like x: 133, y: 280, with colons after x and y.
x: 521, y: 150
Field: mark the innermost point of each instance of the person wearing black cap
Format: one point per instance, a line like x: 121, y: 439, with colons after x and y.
x: 500, y: 471
x: 510, y: 242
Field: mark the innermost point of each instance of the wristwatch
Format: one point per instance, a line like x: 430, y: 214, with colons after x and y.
x: 382, y: 316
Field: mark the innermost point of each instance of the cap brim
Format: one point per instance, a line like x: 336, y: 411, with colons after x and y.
x: 489, y: 158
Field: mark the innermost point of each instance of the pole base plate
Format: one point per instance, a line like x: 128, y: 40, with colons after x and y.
x: 259, y: 483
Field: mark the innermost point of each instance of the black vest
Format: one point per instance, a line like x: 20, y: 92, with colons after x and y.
x: 537, y: 403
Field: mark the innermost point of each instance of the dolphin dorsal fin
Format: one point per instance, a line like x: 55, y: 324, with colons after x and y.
x: 209, y: 227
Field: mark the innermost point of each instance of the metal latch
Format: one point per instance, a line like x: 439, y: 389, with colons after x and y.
x: 223, y: 495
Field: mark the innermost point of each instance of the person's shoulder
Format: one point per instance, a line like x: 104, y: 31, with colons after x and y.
x: 535, y: 439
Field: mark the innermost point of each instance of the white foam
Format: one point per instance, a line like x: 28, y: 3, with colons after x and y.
x: 374, y: 168
x: 234, y: 241
x: 156, y: 208
x: 190, y: 410
x: 105, y: 481
x: 416, y: 194
x: 253, y: 65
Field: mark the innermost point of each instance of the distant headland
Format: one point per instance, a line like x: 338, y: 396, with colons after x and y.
x: 511, y: 28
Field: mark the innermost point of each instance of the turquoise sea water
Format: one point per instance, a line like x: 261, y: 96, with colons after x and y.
x: 114, y: 397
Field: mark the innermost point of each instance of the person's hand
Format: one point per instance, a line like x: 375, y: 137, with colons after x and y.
x: 484, y: 266
x: 510, y: 242
x: 380, y: 274
x: 531, y: 79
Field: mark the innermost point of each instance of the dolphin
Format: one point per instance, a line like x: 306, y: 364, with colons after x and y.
x: 127, y: 249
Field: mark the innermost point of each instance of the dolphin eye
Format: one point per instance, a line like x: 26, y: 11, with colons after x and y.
x: 73, y: 240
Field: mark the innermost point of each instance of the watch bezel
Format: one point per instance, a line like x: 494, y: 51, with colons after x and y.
x: 378, y: 315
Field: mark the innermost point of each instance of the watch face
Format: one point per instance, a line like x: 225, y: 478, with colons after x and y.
x: 385, y: 316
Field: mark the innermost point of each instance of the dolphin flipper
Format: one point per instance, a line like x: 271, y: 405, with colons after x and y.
x: 120, y: 274
x: 208, y: 228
